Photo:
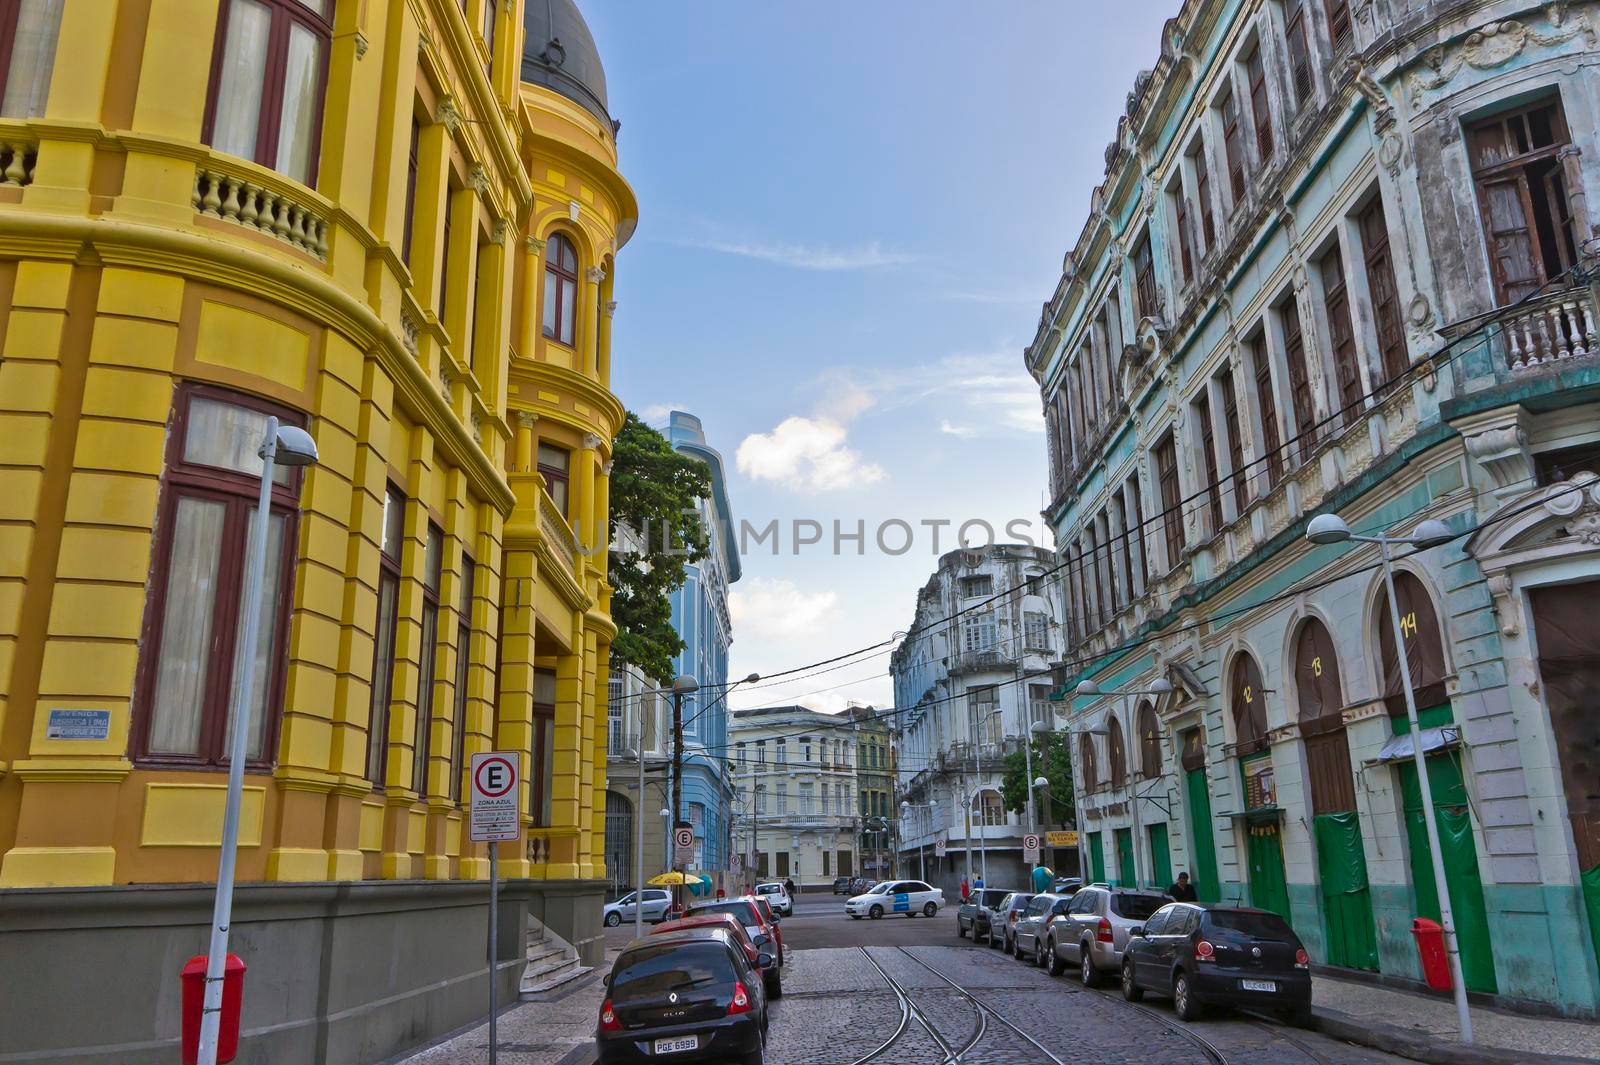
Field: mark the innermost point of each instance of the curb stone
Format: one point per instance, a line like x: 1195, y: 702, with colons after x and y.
x: 1425, y: 1047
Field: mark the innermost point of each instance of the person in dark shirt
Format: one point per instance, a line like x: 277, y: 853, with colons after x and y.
x: 1182, y: 891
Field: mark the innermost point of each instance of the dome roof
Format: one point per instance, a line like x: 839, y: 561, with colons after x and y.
x: 558, y: 52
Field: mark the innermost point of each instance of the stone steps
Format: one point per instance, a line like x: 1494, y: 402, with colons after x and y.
x: 551, y: 963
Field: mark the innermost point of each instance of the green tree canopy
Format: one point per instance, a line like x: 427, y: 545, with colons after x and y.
x: 655, y: 493
x: 1052, y: 759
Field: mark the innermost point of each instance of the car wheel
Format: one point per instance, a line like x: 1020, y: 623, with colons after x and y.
x: 756, y: 1057
x: 1184, y: 1003
x: 613, y: 919
x: 876, y: 912
x: 774, y: 984
x: 1130, y: 990
x: 1086, y: 970
x: 961, y: 931
x: 1039, y: 954
x: 1058, y: 964
x: 929, y: 910
x: 1299, y: 1016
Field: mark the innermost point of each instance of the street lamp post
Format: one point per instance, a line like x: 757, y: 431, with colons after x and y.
x: 281, y: 445
x: 1331, y: 529
x: 681, y: 686
x: 983, y: 837
x: 1158, y: 687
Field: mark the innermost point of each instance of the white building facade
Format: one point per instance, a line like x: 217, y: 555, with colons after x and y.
x: 795, y: 803
x: 1338, y: 264
x: 970, y: 678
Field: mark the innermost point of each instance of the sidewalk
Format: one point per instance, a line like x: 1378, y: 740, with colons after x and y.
x: 1424, y: 1026
x: 558, y: 1030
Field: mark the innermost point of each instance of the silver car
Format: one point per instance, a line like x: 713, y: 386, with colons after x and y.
x: 977, y: 912
x: 1093, y: 932
x: 1029, y: 937
x: 656, y: 903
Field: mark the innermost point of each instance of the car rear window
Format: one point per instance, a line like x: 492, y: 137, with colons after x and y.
x: 741, y: 910
x: 650, y: 972
x: 762, y: 906
x: 987, y: 897
x: 1136, y: 907
x: 1021, y: 901
x: 1249, y: 923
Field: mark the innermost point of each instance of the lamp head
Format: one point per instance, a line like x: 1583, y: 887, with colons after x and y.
x: 751, y: 679
x: 295, y: 447
x: 1327, y: 529
x: 905, y: 805
x: 1160, y: 686
x: 1087, y: 687
x: 1040, y: 782
x: 665, y: 812
x: 685, y: 684
x: 1431, y: 533
x: 1038, y: 726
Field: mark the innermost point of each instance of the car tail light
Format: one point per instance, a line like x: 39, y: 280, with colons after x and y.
x: 1204, y: 950
x: 1302, y: 960
x: 1103, y: 934
x: 608, y: 1018
x: 741, y: 1000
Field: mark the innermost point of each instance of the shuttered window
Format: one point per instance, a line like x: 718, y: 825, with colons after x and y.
x: 1249, y: 706
x: 1144, y: 276
x: 1202, y: 193
x: 1381, y: 287
x: 1230, y: 424
x: 1346, y: 368
x: 1233, y: 147
x: 1256, y: 69
x: 1294, y: 356
x: 1295, y: 33
x: 1267, y: 402
x: 1171, y: 516
x: 1208, y: 445
x: 1339, y: 31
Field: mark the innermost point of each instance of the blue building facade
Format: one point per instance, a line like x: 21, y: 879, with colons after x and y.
x: 700, y: 615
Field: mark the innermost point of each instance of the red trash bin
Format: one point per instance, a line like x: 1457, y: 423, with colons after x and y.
x: 193, y: 976
x: 1430, y: 945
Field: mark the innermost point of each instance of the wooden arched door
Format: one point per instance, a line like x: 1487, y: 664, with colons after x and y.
x: 1269, y: 886
x: 1335, y: 823
x: 1424, y: 661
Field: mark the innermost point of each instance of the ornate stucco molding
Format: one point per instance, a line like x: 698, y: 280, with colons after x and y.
x: 1495, y: 45
x: 448, y: 115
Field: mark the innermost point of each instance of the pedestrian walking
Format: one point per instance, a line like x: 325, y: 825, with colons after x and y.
x: 1182, y: 891
x: 965, y: 891
x: 788, y: 887
x: 977, y: 885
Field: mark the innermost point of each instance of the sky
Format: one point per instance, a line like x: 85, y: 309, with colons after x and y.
x: 850, y: 215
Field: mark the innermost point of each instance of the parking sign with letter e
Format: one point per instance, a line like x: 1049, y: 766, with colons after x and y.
x: 494, y: 797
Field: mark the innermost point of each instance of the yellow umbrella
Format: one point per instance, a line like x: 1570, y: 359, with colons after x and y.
x: 671, y: 878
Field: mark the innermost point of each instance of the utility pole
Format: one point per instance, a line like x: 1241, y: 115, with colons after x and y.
x: 683, y: 685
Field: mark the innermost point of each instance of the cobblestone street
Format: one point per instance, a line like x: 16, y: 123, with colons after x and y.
x: 837, y: 1009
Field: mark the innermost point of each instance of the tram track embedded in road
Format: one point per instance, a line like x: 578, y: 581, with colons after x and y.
x: 984, y: 1010
x: 909, y: 1012
x: 1206, y: 1046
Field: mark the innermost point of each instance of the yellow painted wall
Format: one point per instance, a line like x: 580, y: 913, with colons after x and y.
x: 120, y: 279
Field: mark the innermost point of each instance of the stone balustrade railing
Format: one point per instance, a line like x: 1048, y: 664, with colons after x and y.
x: 254, y: 205
x: 1549, y: 329
x: 17, y: 159
x: 553, y: 527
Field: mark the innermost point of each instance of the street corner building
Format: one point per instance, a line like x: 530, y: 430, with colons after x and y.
x: 1341, y: 262
x: 394, y: 225
x: 972, y: 683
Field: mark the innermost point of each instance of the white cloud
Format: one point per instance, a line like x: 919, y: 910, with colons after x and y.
x: 810, y: 257
x: 806, y: 453
x: 765, y: 608
x: 963, y: 431
x: 657, y: 413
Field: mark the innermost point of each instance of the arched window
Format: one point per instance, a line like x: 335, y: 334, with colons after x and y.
x: 1249, y: 706
x: 992, y: 811
x: 1149, y: 740
x: 1424, y: 648
x: 1117, y: 753
x: 560, y: 288
x: 1316, y: 673
x: 1316, y: 679
x: 1091, y: 770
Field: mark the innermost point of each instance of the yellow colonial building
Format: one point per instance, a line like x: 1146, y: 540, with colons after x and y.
x: 391, y: 222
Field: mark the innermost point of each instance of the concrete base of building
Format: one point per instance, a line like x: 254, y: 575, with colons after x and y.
x: 337, y: 972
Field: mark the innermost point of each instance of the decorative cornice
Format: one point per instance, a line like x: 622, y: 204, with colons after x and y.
x: 526, y: 418
x: 610, y: 308
x: 595, y: 274
x: 498, y: 235
x: 591, y: 441
x: 361, y: 45
x: 1494, y: 45
x: 534, y: 245
x: 478, y: 178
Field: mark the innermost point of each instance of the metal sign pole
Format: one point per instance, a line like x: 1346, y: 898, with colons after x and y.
x: 494, y: 913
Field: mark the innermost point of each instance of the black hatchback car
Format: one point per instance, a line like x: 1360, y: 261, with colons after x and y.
x: 685, y: 996
x: 1213, y: 956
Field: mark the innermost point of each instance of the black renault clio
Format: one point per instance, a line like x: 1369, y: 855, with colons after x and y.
x: 1213, y: 956
x: 687, y: 996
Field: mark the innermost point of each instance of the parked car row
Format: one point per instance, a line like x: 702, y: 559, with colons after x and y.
x: 696, y: 988
x: 1198, y: 954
